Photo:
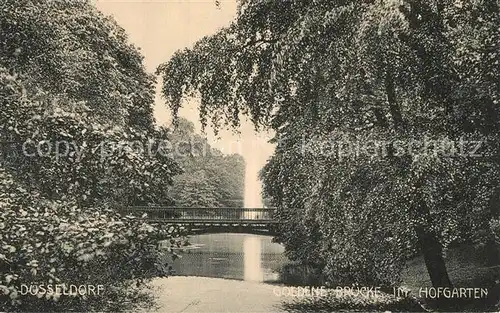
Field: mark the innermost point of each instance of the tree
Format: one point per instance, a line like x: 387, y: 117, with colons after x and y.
x: 70, y: 81
x: 73, y: 51
x: 327, y: 76
x: 210, y: 178
x: 78, y: 82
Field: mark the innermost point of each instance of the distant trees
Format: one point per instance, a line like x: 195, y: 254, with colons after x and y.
x: 210, y: 178
x: 408, y: 81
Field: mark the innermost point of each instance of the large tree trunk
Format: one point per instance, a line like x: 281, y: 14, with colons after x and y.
x: 394, y: 108
x: 429, y: 243
x: 433, y: 257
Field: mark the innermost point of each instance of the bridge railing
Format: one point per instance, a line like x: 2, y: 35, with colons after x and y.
x: 202, y: 213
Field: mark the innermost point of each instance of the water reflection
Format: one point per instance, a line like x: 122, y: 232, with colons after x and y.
x: 234, y: 256
x: 252, y: 258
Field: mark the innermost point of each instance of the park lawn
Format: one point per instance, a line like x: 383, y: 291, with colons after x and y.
x: 465, y: 270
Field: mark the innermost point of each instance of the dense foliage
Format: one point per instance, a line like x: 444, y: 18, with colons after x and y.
x: 210, y: 178
x: 74, y: 51
x: 70, y: 81
x: 349, y: 88
x: 58, y: 242
x: 95, y: 163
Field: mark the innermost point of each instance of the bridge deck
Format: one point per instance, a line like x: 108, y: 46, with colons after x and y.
x: 204, y: 215
x: 201, y: 220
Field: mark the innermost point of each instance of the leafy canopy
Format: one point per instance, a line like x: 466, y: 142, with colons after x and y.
x: 388, y: 72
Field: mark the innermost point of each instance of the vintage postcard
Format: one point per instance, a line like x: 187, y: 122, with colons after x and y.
x: 233, y: 156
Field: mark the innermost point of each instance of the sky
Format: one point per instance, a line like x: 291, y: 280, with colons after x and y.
x: 161, y: 27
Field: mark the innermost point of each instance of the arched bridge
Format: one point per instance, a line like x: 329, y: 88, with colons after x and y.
x: 211, y: 220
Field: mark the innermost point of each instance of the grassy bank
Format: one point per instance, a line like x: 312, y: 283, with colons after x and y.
x: 465, y: 266
x: 345, y: 302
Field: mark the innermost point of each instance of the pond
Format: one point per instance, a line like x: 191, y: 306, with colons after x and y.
x: 232, y: 256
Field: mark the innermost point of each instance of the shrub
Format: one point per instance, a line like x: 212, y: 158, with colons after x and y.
x: 301, y: 275
x: 56, y: 242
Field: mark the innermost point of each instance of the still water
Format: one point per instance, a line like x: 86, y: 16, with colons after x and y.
x: 234, y: 256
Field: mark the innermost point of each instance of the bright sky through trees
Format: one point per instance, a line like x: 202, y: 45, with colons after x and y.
x: 161, y: 27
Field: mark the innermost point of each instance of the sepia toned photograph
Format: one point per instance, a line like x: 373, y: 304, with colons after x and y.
x: 249, y: 156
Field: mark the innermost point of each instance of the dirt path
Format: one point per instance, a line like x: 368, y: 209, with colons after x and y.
x: 210, y: 295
